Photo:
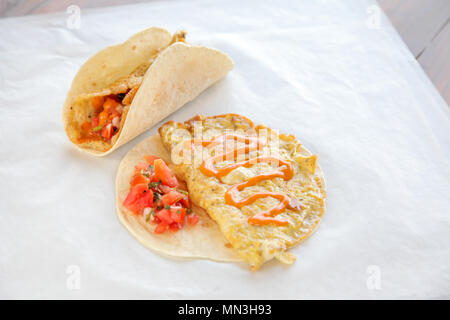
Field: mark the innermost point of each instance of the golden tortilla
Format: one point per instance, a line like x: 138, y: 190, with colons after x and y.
x: 163, y: 72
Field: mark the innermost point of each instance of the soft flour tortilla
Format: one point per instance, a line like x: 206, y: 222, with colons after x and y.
x: 178, y: 75
x: 204, y: 240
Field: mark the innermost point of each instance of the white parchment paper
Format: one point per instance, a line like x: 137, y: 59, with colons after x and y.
x: 334, y: 73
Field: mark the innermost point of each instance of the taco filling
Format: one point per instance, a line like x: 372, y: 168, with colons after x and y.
x: 155, y: 193
x: 154, y: 205
x: 97, y: 118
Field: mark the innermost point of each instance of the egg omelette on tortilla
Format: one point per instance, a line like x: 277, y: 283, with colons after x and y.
x: 249, y: 193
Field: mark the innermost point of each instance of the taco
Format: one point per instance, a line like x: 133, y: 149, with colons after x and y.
x: 258, y: 192
x: 125, y: 89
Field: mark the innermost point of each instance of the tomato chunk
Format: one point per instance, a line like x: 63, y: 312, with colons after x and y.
x: 97, y: 102
x: 102, y: 118
x: 163, y: 173
x: 185, y: 202
x: 193, y: 219
x: 135, y: 193
x: 110, y: 105
x: 165, y: 216
x: 175, y: 226
x: 141, y: 166
x: 165, y: 189
x: 86, y: 127
x: 171, y: 198
x: 139, y: 179
x: 140, y: 197
x: 95, y: 122
x: 161, y: 227
x: 151, y: 159
x: 146, y: 201
x: 178, y: 215
x: 156, y: 187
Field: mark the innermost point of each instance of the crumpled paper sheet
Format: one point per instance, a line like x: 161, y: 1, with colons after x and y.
x: 334, y: 73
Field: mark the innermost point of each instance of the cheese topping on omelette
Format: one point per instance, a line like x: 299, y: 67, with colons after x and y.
x: 264, y: 190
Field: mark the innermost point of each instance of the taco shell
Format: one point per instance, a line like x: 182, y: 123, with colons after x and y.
x: 160, y: 72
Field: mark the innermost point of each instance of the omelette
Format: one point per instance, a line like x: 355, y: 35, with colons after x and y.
x: 264, y: 190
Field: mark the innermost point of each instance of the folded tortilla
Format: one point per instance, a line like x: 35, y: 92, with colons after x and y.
x: 155, y: 71
x: 204, y: 240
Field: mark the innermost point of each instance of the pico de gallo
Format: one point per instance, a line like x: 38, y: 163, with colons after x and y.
x: 156, y: 195
x: 106, y: 120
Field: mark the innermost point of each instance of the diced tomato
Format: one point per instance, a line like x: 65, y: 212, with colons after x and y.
x: 174, y: 227
x: 185, y: 202
x: 138, y: 198
x: 95, y: 122
x: 178, y: 215
x: 150, y: 159
x: 171, y: 197
x: 139, y: 179
x: 163, y: 173
x: 161, y: 227
x: 164, y: 216
x: 174, y: 203
x: 110, y: 105
x: 97, y: 102
x: 107, y: 131
x: 107, y: 121
x: 156, y: 220
x: 146, y: 201
x: 135, y: 193
x: 86, y: 127
x: 141, y: 166
x: 174, y: 214
x: 193, y: 219
x: 102, y: 118
x: 155, y: 179
x: 165, y: 189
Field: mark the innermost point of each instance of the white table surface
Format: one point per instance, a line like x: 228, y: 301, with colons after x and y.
x: 334, y: 73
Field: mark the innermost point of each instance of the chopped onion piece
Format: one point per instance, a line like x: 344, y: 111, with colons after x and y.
x: 116, y: 122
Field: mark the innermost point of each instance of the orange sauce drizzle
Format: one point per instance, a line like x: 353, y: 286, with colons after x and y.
x: 286, y: 172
